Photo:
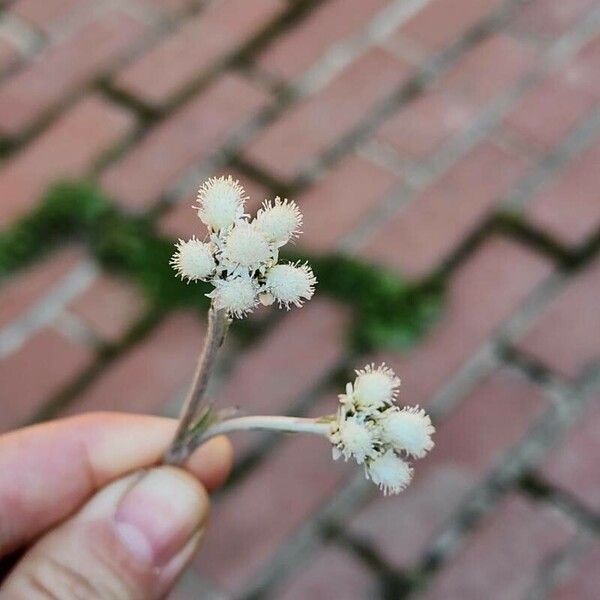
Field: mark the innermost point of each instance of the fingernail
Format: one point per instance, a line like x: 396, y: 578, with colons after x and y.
x: 159, y: 514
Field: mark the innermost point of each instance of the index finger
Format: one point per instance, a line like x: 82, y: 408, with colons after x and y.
x: 47, y: 471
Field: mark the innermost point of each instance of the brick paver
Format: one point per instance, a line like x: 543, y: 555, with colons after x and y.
x: 449, y: 138
x: 60, y: 70
x: 505, y: 555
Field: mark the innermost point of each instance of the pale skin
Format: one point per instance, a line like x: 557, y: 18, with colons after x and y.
x: 86, y: 512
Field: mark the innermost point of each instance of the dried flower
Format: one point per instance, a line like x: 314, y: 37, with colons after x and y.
x: 193, y: 260
x: 290, y: 284
x: 353, y: 437
x: 279, y: 221
x: 375, y: 387
x: 238, y: 247
x: 220, y: 202
x: 389, y: 472
x: 237, y: 295
x: 408, y: 429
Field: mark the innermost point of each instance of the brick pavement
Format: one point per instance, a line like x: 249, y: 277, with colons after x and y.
x: 450, y: 138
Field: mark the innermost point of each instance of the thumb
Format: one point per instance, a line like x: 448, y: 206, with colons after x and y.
x: 129, y: 541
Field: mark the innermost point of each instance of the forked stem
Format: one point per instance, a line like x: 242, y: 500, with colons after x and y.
x: 182, y: 445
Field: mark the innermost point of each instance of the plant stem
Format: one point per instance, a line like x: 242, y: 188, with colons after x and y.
x: 265, y: 423
x: 180, y: 448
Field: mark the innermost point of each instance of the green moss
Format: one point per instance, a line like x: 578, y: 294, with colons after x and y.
x: 388, y: 311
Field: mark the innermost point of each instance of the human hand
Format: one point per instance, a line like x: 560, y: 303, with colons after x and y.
x: 89, y: 515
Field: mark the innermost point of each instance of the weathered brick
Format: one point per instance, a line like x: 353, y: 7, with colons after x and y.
x: 9, y: 54
x: 150, y: 375
x: 587, y: 67
x: 40, y: 368
x: 490, y: 68
x: 287, y: 146
x: 423, y: 233
x: 294, y: 52
x: 583, y: 582
x: 67, y: 149
x: 198, y: 46
x: 248, y: 525
x: 442, y: 22
x: 25, y: 289
x: 181, y: 220
x: 547, y: 113
x: 568, y: 208
x: 331, y: 573
x: 482, y: 293
x: 60, y: 70
x: 472, y: 441
x: 191, y: 134
x: 549, y: 18
x: 109, y: 307
x: 565, y: 336
x: 505, y: 555
x: 49, y: 13
x: 337, y: 203
x: 572, y: 465
x: 421, y: 127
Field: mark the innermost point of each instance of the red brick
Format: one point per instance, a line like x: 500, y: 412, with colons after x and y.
x: 443, y: 22
x: 283, y: 364
x: 490, y: 68
x: 60, y: 70
x: 191, y: 134
x: 287, y: 146
x: 250, y: 523
x: 49, y: 13
x: 484, y: 291
x: 9, y: 54
x: 341, y: 200
x: 197, y: 47
x: 110, y: 306
x: 586, y: 68
x: 565, y: 336
x: 24, y: 290
x: 296, y: 51
x: 181, y: 220
x: 424, y: 232
x: 551, y: 18
x: 151, y: 374
x: 332, y: 573
x: 584, y: 582
x: 421, y: 127
x: 472, y: 441
x: 568, y: 209
x: 38, y: 370
x: 547, y: 113
x: 67, y: 149
x: 506, y: 555
x: 572, y: 465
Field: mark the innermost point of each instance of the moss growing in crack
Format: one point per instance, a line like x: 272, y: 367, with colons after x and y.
x: 388, y: 311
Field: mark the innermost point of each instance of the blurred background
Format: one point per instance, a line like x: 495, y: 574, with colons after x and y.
x: 446, y: 155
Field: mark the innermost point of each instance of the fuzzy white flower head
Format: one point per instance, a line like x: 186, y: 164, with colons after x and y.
x: 193, y: 260
x: 220, y: 202
x: 389, y: 472
x: 409, y: 429
x: 353, y: 437
x: 375, y: 387
x: 290, y: 284
x: 279, y: 221
x: 246, y: 247
x: 237, y: 295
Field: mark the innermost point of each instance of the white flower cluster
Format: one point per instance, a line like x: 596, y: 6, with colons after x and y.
x: 239, y: 256
x: 372, y: 430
